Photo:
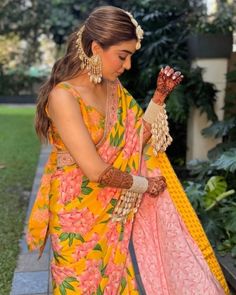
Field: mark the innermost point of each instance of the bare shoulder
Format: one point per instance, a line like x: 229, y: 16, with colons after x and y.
x: 61, y: 99
x: 58, y: 91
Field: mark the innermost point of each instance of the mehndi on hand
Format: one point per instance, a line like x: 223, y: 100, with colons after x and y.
x: 167, y: 80
x: 156, y: 185
x: 113, y: 177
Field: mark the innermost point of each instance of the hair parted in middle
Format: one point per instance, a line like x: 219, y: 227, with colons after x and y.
x: 106, y: 25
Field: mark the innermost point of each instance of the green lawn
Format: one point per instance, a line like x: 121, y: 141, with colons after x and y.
x: 19, y: 151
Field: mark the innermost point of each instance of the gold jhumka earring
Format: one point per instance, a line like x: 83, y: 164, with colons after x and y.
x: 93, y: 64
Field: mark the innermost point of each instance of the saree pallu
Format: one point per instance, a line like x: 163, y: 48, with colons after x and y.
x: 91, y: 252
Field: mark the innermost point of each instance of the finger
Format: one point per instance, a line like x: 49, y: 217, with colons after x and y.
x: 170, y: 72
x: 161, y: 183
x: 167, y: 68
x: 179, y: 79
x: 176, y: 75
x: 162, y: 178
x: 162, y: 190
x: 161, y: 187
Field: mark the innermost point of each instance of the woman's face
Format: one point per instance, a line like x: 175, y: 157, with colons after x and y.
x: 116, y: 59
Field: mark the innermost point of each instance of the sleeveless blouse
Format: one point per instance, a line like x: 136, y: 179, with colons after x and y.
x: 94, y: 120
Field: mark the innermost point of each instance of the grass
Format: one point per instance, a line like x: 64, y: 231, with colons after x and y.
x: 19, y: 151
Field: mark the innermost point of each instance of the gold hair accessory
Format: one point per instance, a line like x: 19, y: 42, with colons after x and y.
x: 139, y: 31
x: 93, y: 64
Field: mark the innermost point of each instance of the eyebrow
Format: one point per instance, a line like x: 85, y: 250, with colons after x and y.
x: 127, y: 51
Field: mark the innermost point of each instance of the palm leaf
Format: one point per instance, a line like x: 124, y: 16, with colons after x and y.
x: 227, y: 161
x: 219, y: 128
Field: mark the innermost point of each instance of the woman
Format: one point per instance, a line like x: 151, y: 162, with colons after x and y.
x: 108, y: 177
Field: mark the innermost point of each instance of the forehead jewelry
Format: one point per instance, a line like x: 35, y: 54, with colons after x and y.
x: 93, y: 64
x: 139, y: 31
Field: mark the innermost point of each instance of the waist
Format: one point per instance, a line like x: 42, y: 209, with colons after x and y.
x: 64, y: 158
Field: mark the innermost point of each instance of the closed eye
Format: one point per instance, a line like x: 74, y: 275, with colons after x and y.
x: 122, y: 58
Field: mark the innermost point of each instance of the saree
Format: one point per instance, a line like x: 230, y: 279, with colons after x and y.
x: 91, y: 253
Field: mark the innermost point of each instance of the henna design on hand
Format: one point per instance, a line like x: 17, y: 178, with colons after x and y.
x: 115, y: 178
x: 156, y: 185
x: 167, y: 80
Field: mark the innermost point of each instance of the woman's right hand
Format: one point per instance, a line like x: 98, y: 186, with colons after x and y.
x: 156, y: 185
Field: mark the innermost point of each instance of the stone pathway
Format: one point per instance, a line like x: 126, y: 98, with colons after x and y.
x: 32, y: 276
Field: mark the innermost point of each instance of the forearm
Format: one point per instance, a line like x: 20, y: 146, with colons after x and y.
x: 155, y: 116
x: 156, y: 127
x: 147, y: 126
x: 114, y: 177
x: 146, y: 132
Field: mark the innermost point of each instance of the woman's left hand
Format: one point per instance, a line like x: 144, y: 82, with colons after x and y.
x: 167, y: 80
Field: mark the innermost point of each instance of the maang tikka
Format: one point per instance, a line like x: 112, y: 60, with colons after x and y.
x: 93, y: 64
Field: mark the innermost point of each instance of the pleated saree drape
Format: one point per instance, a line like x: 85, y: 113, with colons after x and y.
x: 91, y: 253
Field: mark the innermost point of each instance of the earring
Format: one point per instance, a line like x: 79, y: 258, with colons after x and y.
x: 93, y: 64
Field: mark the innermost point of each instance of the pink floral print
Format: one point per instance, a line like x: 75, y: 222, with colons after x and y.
x: 76, y: 221
x: 83, y: 249
x: 70, y: 186
x: 56, y: 246
x: 114, y: 272
x: 60, y: 273
x: 90, y: 278
x: 112, y: 234
x: 105, y: 195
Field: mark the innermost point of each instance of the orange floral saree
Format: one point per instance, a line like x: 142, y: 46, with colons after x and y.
x: 91, y: 253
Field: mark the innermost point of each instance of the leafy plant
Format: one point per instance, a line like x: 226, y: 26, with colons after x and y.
x: 211, y: 201
x: 221, y: 21
x: 219, y: 128
x: 208, y: 192
x: 18, y: 81
x: 227, y: 161
x: 216, y: 191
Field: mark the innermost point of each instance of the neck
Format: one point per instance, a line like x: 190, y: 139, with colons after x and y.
x: 83, y: 80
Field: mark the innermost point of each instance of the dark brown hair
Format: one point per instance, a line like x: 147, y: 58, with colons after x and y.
x: 107, y: 25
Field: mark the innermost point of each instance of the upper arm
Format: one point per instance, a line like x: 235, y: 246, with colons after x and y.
x: 66, y: 115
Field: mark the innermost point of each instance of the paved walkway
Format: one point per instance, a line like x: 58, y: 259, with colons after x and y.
x: 32, y: 276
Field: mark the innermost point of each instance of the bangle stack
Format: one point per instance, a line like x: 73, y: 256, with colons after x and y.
x: 130, y: 200
x: 156, y: 116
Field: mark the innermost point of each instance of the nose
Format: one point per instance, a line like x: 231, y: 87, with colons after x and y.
x: 127, y: 63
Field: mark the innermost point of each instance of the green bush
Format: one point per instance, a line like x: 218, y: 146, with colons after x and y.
x: 212, y: 191
x: 18, y: 81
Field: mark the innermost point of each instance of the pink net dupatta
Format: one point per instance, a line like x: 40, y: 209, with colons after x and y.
x: 169, y: 261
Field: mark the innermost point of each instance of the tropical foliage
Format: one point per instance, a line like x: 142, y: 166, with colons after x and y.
x: 213, y: 189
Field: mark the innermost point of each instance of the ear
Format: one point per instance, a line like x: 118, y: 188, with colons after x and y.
x: 96, y: 48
